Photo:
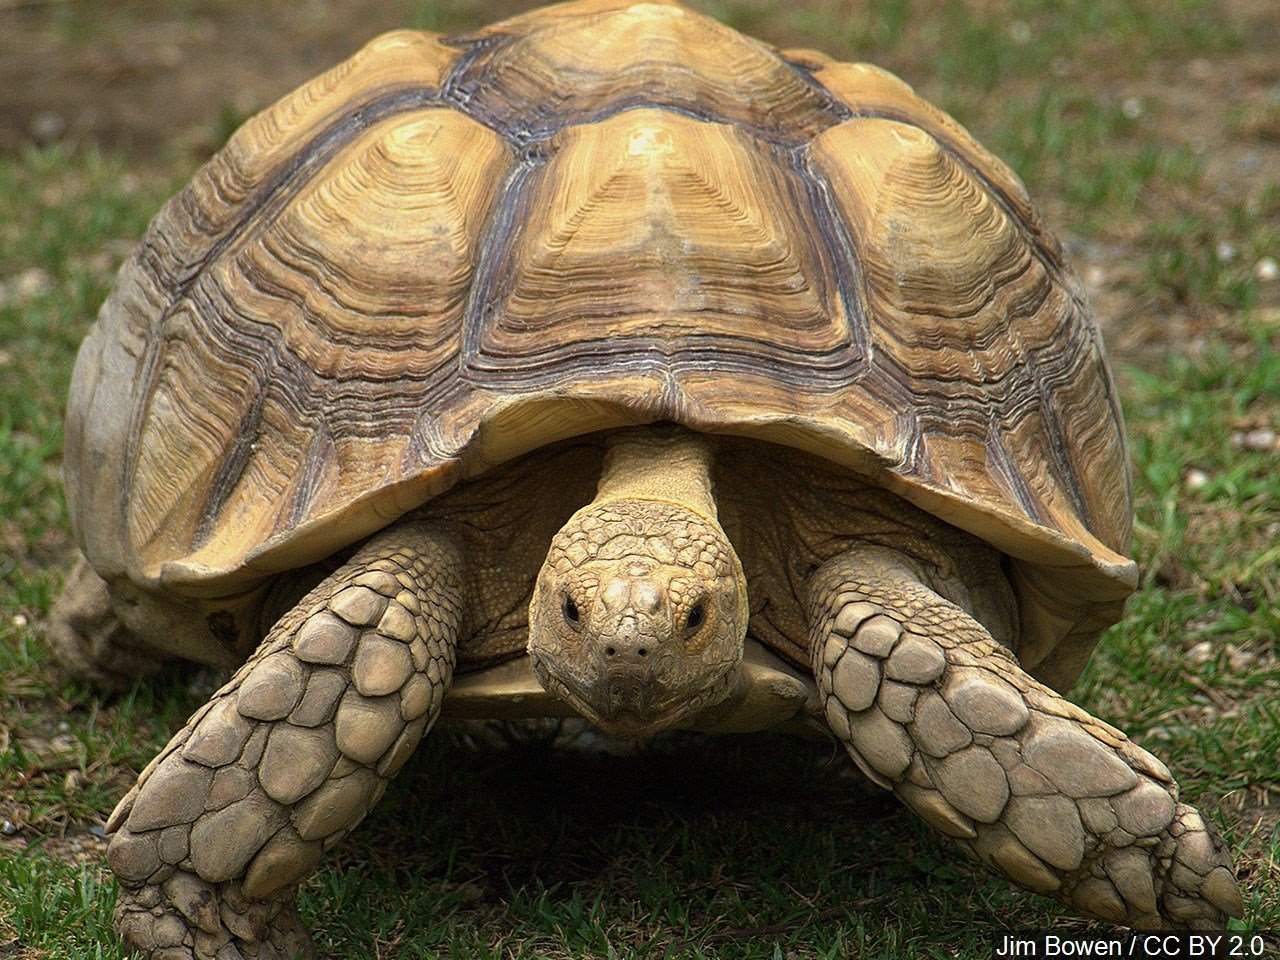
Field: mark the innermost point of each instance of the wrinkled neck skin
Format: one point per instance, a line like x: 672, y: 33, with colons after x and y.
x: 639, y: 614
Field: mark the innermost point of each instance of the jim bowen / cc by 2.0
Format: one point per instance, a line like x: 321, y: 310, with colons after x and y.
x: 1168, y: 946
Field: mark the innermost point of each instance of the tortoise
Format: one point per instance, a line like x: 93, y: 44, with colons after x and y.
x: 606, y: 362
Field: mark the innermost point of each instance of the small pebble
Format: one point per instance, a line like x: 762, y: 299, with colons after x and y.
x: 31, y: 283
x: 1263, y: 438
x: 8, y: 828
x: 1195, y: 479
x: 47, y: 126
x: 1201, y: 653
x: 1266, y: 269
x: 1132, y: 107
x: 20, y: 620
x: 1238, y: 659
x: 1226, y: 251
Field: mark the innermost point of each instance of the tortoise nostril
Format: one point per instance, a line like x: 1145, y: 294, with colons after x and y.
x: 643, y: 652
x: 609, y: 651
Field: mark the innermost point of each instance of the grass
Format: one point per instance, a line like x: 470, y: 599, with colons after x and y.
x: 746, y: 847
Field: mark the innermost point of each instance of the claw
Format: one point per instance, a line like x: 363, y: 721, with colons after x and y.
x: 1220, y: 889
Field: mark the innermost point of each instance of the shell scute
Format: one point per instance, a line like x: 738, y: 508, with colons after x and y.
x: 993, y: 353
x: 722, y: 262
x: 581, y: 62
x: 866, y: 90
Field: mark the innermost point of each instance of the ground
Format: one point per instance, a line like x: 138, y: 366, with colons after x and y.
x: 1148, y: 131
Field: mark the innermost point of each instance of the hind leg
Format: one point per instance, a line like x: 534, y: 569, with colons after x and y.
x: 88, y: 639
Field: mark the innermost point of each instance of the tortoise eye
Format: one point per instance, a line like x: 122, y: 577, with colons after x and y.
x: 697, y: 617
x: 570, y: 610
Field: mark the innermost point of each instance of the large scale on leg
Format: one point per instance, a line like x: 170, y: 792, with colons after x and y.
x: 626, y: 367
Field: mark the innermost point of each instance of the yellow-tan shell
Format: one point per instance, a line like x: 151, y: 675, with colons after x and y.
x: 446, y: 252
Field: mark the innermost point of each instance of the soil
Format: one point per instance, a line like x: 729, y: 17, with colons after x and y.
x: 153, y: 76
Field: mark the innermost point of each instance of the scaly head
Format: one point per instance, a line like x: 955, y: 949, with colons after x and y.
x: 639, y: 614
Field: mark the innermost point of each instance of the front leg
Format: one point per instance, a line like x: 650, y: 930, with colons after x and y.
x: 288, y: 757
x: 929, y: 705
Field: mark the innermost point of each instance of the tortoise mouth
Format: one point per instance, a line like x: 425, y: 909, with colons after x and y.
x: 634, y: 717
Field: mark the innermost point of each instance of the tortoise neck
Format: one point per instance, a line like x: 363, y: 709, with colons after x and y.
x: 666, y: 464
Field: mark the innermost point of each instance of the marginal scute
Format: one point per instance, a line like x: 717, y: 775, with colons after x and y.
x: 958, y: 298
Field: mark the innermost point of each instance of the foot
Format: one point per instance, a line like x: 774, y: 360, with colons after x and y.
x: 186, y: 918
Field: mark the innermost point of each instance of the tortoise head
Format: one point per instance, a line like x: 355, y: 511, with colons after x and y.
x: 639, y: 615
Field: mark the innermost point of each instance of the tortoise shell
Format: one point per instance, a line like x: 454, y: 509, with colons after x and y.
x: 447, y: 252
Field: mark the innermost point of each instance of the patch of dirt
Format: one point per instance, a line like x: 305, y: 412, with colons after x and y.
x: 151, y: 76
